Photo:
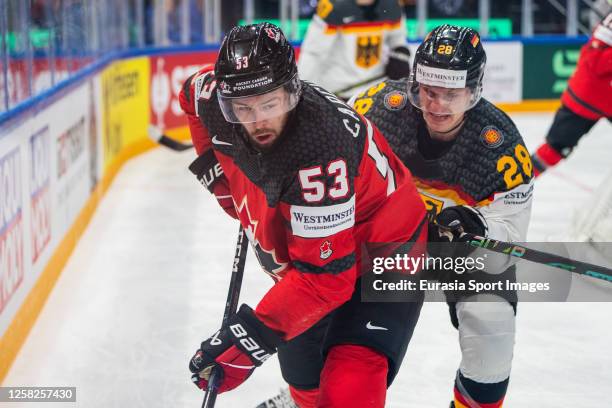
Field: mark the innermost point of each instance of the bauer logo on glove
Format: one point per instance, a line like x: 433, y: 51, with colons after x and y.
x: 236, y: 350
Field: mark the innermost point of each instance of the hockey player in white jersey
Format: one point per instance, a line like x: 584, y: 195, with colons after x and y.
x: 350, y: 44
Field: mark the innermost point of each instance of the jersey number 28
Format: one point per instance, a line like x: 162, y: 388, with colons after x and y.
x: 508, y: 166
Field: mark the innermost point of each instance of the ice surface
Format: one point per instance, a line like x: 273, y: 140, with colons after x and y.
x: 148, y: 280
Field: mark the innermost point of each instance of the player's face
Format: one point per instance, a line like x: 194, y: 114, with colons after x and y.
x: 263, y: 117
x: 443, y: 108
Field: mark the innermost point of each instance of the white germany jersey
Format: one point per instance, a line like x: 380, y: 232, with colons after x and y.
x: 347, y: 44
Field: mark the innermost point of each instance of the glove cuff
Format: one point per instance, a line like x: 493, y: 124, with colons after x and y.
x: 251, y: 336
x: 478, y: 218
x: 207, y: 169
x: 401, y: 53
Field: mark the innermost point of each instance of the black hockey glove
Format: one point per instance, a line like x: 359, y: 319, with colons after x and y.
x: 399, y: 63
x: 237, y: 349
x: 209, y: 172
x: 447, y: 230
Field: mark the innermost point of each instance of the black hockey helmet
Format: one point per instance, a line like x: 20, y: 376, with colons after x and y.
x: 449, y: 57
x: 454, y: 48
x: 253, y: 60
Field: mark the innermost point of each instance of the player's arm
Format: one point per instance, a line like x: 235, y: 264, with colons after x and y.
x: 317, y: 44
x: 188, y: 99
x: 319, y: 279
x: 599, y: 49
x: 398, y: 65
x: 206, y: 166
x: 505, y: 215
x: 507, y: 218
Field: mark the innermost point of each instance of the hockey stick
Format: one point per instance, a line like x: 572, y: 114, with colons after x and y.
x: 361, y: 83
x: 231, y: 305
x: 533, y: 255
x: 157, y: 136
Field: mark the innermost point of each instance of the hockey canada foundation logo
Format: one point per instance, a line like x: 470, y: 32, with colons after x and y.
x: 326, y: 250
x: 225, y: 87
x: 273, y: 34
x: 491, y: 137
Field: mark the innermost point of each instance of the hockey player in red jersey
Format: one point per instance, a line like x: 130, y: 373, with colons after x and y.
x: 474, y: 173
x: 311, y: 182
x: 587, y: 99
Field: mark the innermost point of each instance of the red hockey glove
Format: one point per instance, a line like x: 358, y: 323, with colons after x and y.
x: 236, y: 350
x: 209, y: 172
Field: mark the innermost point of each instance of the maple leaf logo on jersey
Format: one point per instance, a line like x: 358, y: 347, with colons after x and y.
x: 267, y: 258
x: 326, y: 250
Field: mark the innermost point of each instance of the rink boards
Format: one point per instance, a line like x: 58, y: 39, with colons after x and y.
x: 60, y: 151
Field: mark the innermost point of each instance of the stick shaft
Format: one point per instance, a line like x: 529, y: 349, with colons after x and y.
x: 545, y: 258
x: 174, y: 144
x: 158, y: 136
x: 231, y: 305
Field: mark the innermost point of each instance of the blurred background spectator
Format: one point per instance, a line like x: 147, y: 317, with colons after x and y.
x: 47, y: 40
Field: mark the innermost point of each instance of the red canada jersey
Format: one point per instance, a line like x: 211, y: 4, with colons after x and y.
x: 589, y: 90
x: 330, y: 185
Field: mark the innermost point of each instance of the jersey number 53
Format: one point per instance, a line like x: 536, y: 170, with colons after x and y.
x: 313, y: 188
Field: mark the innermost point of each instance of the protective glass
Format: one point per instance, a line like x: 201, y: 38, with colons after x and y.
x: 260, y: 107
x: 438, y: 98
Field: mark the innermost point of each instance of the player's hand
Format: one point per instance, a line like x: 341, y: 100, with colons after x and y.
x: 209, y: 172
x: 236, y: 350
x: 460, y: 219
x: 399, y: 63
x: 450, y: 226
x: 223, y: 195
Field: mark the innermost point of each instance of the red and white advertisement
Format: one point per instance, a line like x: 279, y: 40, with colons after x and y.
x: 17, y: 76
x: 168, y: 73
x: 70, y: 146
x: 40, y: 192
x: 11, y: 229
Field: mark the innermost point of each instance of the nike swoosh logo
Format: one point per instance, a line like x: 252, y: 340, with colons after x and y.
x: 348, y: 19
x: 370, y: 326
x: 219, y: 142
